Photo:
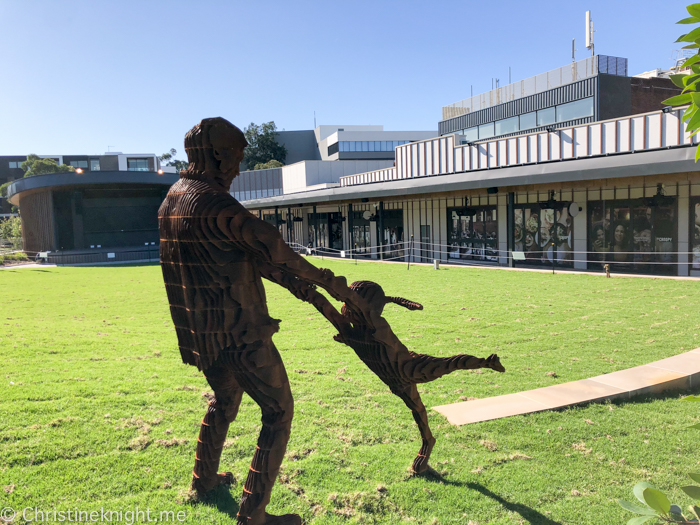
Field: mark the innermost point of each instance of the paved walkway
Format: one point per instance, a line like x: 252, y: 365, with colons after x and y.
x: 675, y: 373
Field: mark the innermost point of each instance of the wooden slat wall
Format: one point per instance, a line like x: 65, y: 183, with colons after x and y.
x: 36, y: 210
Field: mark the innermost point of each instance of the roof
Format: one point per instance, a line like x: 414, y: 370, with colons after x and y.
x: 93, y: 178
x: 679, y: 159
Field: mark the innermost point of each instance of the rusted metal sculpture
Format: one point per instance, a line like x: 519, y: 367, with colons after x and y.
x: 214, y: 254
x: 398, y: 367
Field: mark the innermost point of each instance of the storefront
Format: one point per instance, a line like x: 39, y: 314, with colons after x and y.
x: 638, y: 235
x: 473, y: 233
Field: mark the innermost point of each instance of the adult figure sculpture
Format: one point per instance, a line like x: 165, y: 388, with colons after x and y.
x: 214, y: 254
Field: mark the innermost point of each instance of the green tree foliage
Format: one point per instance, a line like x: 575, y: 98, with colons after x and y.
x: 11, y: 228
x: 690, y: 82
x: 262, y: 145
x: 267, y: 165
x: 170, y: 160
x: 35, y: 165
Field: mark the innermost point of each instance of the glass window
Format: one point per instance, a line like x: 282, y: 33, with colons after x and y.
x: 528, y: 120
x: 633, y: 235
x: 365, y: 145
x: 573, y: 110
x: 137, y: 164
x: 471, y: 134
x: 79, y: 163
x: 370, y: 145
x: 508, y: 125
x: 545, y: 116
x: 351, y: 145
x: 94, y: 164
x: 486, y: 131
x: 15, y: 164
x: 377, y: 145
x: 472, y: 233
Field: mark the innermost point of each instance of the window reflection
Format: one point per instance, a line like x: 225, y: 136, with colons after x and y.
x: 528, y: 120
x: 486, y: 131
x: 573, y: 110
x: 546, y: 116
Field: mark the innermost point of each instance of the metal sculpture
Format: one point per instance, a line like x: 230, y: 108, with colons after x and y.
x: 398, y: 367
x: 214, y: 254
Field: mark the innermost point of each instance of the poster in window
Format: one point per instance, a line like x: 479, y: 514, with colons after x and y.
x: 621, y: 235
x: 642, y: 237
x: 665, y: 237
x: 491, y: 236
x: 561, y: 237
x: 519, y: 230
x: 598, y: 233
x: 531, y: 234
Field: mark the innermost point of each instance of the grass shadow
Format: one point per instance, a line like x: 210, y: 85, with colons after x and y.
x: 433, y: 476
x: 529, y: 515
x: 222, y: 499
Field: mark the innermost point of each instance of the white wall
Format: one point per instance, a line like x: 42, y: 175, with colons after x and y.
x: 299, y: 176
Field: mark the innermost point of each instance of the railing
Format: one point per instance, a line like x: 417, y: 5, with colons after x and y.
x: 643, y: 263
x: 147, y: 255
x: 442, y: 156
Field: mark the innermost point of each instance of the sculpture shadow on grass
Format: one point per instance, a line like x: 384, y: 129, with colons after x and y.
x: 529, y: 515
x: 222, y: 499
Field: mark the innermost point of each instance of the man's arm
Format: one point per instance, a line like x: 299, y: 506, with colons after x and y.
x: 265, y: 243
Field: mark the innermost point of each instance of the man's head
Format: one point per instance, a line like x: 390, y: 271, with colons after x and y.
x: 215, y: 149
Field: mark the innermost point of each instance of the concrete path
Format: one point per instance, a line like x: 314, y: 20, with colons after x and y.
x: 680, y: 372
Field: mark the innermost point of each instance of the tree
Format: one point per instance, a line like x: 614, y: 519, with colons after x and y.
x: 11, y: 228
x: 35, y: 165
x: 170, y: 160
x: 267, y: 165
x: 262, y: 145
x: 690, y: 82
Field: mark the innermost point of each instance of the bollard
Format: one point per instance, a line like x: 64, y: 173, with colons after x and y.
x: 436, y: 264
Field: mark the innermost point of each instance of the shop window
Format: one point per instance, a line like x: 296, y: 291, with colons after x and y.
x: 545, y: 235
x: 473, y: 233
x: 632, y: 235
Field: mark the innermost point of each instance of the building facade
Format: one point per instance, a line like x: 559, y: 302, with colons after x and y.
x: 10, y: 165
x: 320, y: 157
x: 623, y: 192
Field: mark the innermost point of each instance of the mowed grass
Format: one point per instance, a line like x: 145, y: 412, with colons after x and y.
x: 97, y: 410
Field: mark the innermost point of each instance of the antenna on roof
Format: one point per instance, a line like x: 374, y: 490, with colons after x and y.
x: 573, y: 50
x: 589, y: 33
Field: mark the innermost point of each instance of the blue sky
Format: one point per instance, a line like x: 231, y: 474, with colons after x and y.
x: 82, y: 76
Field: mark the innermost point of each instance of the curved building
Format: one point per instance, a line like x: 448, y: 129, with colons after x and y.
x: 80, y: 211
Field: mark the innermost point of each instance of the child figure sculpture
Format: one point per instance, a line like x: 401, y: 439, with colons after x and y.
x: 398, y: 367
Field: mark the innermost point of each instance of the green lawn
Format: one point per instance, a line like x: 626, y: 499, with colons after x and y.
x: 97, y: 410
